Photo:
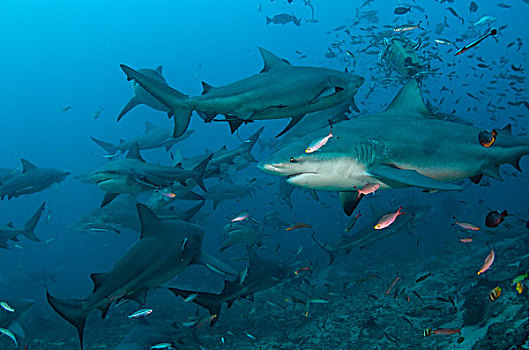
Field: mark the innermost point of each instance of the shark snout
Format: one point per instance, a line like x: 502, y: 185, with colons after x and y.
x: 271, y: 168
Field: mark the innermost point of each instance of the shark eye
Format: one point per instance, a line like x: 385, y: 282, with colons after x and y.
x: 292, y: 160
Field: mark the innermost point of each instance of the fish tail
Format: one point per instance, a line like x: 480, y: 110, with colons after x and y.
x: 72, y: 311
x: 212, y: 302
x: 199, y: 172
x: 32, y: 223
x: 176, y: 101
x: 110, y: 148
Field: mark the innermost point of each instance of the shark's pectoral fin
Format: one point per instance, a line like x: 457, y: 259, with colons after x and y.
x: 97, y: 278
x: 140, y: 296
x: 214, y: 264
x: 109, y: 197
x: 493, y: 172
x: 293, y: 121
x: 206, y: 117
x: 409, y: 177
x: 234, y: 124
x: 476, y: 178
x: 350, y: 200
x: 130, y: 105
x: 55, y: 187
x: 104, y: 310
x: 354, y: 106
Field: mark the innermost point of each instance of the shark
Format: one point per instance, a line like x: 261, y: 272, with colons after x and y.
x: 367, y: 235
x: 154, y: 136
x: 262, y: 274
x: 11, y: 233
x: 406, y: 145
x: 164, y: 250
x: 246, y: 232
x: 230, y: 190
x: 31, y: 180
x: 280, y: 90
x: 14, y: 320
x: 121, y: 214
x: 6, y: 173
x: 144, y: 336
x: 133, y: 175
x: 142, y: 97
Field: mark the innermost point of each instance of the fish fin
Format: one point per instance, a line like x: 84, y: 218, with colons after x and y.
x: 97, y: 278
x: 73, y: 311
x: 507, y: 129
x: 476, y: 178
x: 10, y: 224
x: 206, y: 88
x: 27, y: 166
x: 206, y: 117
x: 30, y: 225
x: 140, y: 296
x: 349, y: 201
x: 214, y: 263
x: 151, y: 225
x: 17, y: 329
x: 134, y: 153
x: 409, y: 100
x: 332, y: 255
x: 293, y: 121
x: 191, y: 196
x: 493, y: 172
x: 215, y: 203
x: 150, y: 126
x: 212, y: 302
x: 159, y: 69
x: 234, y: 124
x: 55, y: 187
x: 271, y: 61
x: 110, y: 148
x: 104, y: 310
x: 109, y: 197
x: 388, y: 174
x: 354, y: 106
x: 189, y: 213
x: 516, y: 164
x: 130, y: 105
x: 199, y: 172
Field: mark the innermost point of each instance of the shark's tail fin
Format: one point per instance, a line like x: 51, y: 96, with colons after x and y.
x: 189, y: 213
x: 32, y: 223
x: 332, y: 255
x: 248, y: 145
x: 173, y: 99
x: 72, y: 311
x: 199, y: 171
x: 110, y: 148
x: 212, y: 302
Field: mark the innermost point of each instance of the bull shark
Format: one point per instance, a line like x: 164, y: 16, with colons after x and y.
x: 31, y: 180
x: 229, y: 190
x: 6, y: 174
x: 10, y: 233
x: 367, y: 234
x: 246, y: 232
x: 405, y: 145
x: 143, y: 97
x: 280, y: 90
x: 262, y: 274
x: 164, y: 250
x: 133, y: 175
x: 155, y: 136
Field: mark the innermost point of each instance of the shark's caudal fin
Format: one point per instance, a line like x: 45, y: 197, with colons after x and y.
x: 199, y: 171
x: 32, y: 223
x: 130, y: 105
x: 247, y: 146
x: 72, y: 311
x: 110, y: 148
x: 332, y: 255
x: 211, y: 301
x: 173, y: 99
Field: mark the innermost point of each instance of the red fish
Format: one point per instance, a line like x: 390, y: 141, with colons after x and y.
x: 298, y: 226
x: 488, y: 262
x: 494, y: 218
x: 446, y: 331
x: 466, y: 226
x: 387, y: 219
x: 466, y: 240
x: 367, y: 189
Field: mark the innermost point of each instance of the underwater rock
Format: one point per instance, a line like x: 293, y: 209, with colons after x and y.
x: 475, y: 309
x: 503, y: 335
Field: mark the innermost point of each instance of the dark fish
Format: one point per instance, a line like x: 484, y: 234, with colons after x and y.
x: 473, y: 6
x: 401, y: 10
x: 486, y: 138
x: 494, y: 218
x: 422, y: 278
x: 504, y: 6
x: 283, y: 18
x: 418, y: 296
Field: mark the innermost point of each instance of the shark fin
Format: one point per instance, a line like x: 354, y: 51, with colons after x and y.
x: 332, y: 254
x: 188, y: 214
x: 159, y: 69
x: 140, y: 296
x: 516, y: 164
x: 214, y: 264
x: 234, y: 124
x: 17, y: 329
x: 354, y: 106
x: 387, y: 173
x: 97, y: 278
x: 206, y: 117
x: 216, y: 202
x: 109, y: 197
x: 150, y: 126
x: 104, y: 310
x: 271, y: 61
x: 32, y: 223
x: 151, y: 225
x: 191, y: 196
x: 130, y: 105
x: 173, y: 99
x: 27, y: 166
x: 206, y: 88
x: 55, y: 187
x: 314, y: 195
x: 72, y: 311
x: 110, y: 148
x: 212, y: 302
x: 293, y: 121
x: 476, y: 178
x: 493, y: 172
x: 349, y: 201
x: 10, y: 224
x: 409, y: 100
x: 134, y: 153
x: 507, y: 129
x: 199, y: 171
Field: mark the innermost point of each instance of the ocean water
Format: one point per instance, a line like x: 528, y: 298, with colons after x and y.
x: 63, y: 84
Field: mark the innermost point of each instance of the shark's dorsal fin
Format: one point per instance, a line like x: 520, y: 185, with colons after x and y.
x: 134, y: 153
x: 149, y: 126
x: 271, y: 61
x: 97, y: 278
x: 151, y: 225
x: 206, y: 88
x: 507, y: 128
x: 10, y: 224
x: 409, y: 100
x: 27, y: 166
x: 159, y: 70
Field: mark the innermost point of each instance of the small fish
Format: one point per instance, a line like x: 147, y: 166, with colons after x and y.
x: 66, y: 109
x: 10, y: 335
x: 488, y: 262
x: 418, y: 296
x: 495, y: 294
x: 407, y: 27
x: 466, y: 226
x: 167, y: 346
x: 367, y: 278
x: 319, y: 301
x: 241, y: 217
x: 519, y: 287
x: 251, y: 336
x: 493, y: 31
x: 298, y: 271
x: 444, y: 41
x: 466, y: 240
x: 48, y: 217
x: 401, y: 10
x: 141, y: 313
x: 422, y: 278
x: 6, y: 306
x: 486, y: 138
x: 367, y: 189
x: 352, y: 222
x: 298, y: 225
x: 168, y: 195
x: 519, y: 278
x: 191, y: 298
x: 244, y: 274
x: 388, y: 219
x: 300, y: 249
x: 98, y: 113
x: 446, y: 331
x: 473, y: 7
x: 313, y: 147
x: 494, y: 218
x: 427, y: 332
x: 207, y: 320
x: 392, y: 284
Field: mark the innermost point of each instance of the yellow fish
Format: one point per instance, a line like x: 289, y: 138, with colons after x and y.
x: 519, y: 287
